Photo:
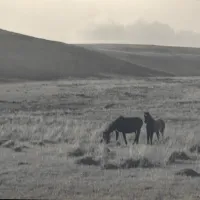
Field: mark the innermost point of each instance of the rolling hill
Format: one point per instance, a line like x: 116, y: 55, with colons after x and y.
x: 180, y: 61
x: 28, y: 58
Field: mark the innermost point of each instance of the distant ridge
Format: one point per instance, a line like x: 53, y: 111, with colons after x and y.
x: 180, y: 61
x: 28, y: 58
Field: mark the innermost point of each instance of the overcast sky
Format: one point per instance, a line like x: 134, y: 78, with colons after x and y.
x: 71, y: 20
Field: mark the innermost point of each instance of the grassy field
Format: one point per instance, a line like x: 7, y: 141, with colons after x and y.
x: 51, y: 131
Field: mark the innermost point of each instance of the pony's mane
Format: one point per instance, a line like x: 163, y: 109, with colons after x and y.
x: 113, y: 124
x: 148, y: 115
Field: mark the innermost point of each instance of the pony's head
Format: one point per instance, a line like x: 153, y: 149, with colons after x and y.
x: 111, y: 127
x: 106, y: 137
x: 147, y: 116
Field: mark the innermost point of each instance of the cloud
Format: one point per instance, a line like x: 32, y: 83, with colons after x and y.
x: 142, y: 32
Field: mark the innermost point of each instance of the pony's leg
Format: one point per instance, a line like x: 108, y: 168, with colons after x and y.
x: 148, y: 134
x: 162, y: 133
x: 137, y: 136
x: 151, y: 137
x: 135, y: 140
x: 162, y: 130
x: 158, y: 135
x: 117, y: 135
x: 124, y: 136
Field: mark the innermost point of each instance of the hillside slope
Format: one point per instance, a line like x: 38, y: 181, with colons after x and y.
x: 181, y: 61
x: 24, y: 57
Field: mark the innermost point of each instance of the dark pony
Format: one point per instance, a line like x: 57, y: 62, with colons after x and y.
x: 153, y: 126
x: 124, y: 125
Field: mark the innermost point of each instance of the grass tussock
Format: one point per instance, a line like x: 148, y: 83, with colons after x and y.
x: 9, y: 144
x: 3, y: 141
x: 111, y: 105
x: 18, y: 149
x: 38, y: 143
x: 23, y: 163
x: 76, y: 152
x: 195, y: 148
x: 14, y: 145
x: 138, y: 163
x: 177, y: 155
x: 110, y: 166
x: 187, y: 172
x: 131, y: 163
x: 88, y: 160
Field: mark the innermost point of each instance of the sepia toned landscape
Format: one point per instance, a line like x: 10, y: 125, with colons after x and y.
x: 57, y: 99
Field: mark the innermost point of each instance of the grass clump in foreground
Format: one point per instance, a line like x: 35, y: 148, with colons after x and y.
x: 88, y: 160
x: 123, y: 164
x: 138, y: 163
x: 76, y: 152
x: 195, y: 148
x: 131, y: 163
x: 177, y: 155
x: 187, y: 172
